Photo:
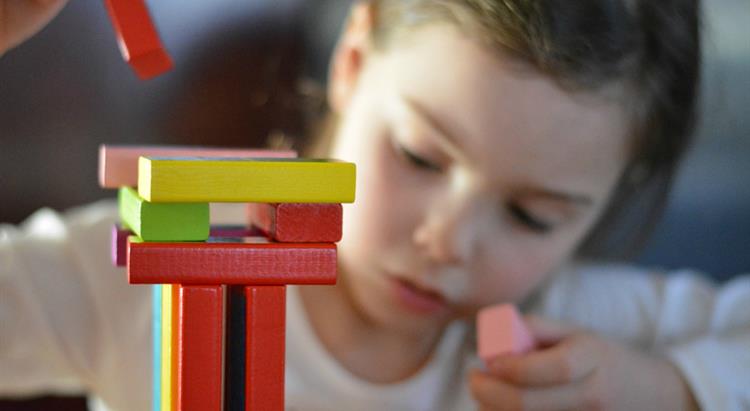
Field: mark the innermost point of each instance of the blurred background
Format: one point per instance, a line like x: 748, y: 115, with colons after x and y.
x: 245, y: 74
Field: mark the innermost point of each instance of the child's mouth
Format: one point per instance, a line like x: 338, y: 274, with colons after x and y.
x: 416, y: 298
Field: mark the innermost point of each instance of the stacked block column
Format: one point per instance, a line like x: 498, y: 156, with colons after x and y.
x: 219, y: 319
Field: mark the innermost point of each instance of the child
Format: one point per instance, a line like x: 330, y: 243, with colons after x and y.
x: 496, y: 141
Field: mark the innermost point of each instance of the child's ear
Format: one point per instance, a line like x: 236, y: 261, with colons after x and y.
x: 348, y: 57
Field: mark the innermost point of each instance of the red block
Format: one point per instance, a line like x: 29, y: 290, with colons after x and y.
x: 265, y: 346
x: 200, y: 332
x: 297, y: 222
x: 231, y: 263
x: 120, y: 245
x: 137, y: 37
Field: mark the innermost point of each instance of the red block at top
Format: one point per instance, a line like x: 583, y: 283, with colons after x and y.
x: 231, y: 263
x: 298, y: 223
x: 137, y: 37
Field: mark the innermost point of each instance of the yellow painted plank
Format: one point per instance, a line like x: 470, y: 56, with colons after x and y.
x: 168, y: 376
x: 175, y: 179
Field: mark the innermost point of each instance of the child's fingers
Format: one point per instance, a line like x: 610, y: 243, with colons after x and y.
x: 497, y: 395
x: 494, y: 394
x: 20, y: 19
x: 547, y: 332
x: 570, y: 360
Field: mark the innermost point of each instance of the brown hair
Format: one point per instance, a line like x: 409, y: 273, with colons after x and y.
x: 651, y: 47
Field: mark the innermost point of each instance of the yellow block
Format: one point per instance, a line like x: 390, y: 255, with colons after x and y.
x: 175, y: 179
x: 168, y: 348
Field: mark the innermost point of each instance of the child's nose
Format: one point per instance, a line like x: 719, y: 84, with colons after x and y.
x: 449, y: 233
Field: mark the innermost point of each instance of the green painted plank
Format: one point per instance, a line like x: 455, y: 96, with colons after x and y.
x: 161, y: 221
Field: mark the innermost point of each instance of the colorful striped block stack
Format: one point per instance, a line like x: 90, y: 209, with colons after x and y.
x: 220, y: 292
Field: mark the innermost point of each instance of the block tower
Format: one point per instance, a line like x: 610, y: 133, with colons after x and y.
x: 219, y: 292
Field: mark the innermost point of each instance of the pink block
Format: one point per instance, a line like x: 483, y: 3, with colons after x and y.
x: 501, y: 330
x: 118, y: 165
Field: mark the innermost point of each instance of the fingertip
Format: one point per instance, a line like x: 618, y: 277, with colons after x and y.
x: 546, y: 331
x: 500, y: 364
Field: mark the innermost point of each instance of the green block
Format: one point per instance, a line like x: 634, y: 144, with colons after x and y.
x: 162, y: 221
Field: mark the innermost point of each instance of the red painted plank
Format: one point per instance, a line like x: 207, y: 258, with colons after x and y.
x: 265, y: 346
x: 137, y: 37
x: 298, y: 222
x: 200, y: 332
x: 120, y: 239
x: 231, y: 263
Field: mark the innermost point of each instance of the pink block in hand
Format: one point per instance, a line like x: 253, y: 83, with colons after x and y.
x: 501, y: 330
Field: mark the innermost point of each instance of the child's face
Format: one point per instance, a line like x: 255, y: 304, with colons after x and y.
x: 477, y: 177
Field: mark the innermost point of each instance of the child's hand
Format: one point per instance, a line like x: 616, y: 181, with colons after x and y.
x: 578, y: 370
x: 21, y: 19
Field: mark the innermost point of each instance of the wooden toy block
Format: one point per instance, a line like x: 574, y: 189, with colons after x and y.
x: 137, y: 37
x: 233, y: 231
x: 172, y: 179
x: 168, y: 343
x: 234, y: 357
x: 265, y: 347
x: 298, y: 222
x: 200, y: 335
x: 120, y: 245
x: 163, y: 222
x: 501, y: 330
x: 230, y: 263
x: 118, y: 165
x: 120, y: 239
x: 156, y: 316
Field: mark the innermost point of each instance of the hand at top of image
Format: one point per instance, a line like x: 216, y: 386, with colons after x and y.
x: 21, y: 19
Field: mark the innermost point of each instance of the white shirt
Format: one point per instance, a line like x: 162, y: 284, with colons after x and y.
x: 69, y: 322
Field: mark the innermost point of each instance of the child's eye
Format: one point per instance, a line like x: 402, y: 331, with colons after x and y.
x: 415, y: 159
x: 528, y: 220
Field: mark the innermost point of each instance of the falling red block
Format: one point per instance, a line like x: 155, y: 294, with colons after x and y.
x: 298, y: 222
x: 137, y: 37
x: 200, y: 334
x: 265, y: 347
x: 501, y: 330
x: 237, y: 263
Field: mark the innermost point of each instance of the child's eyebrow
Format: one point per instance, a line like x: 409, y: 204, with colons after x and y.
x: 445, y: 139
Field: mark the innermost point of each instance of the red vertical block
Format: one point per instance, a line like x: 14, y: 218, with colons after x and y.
x: 265, y: 348
x: 200, y: 333
x: 120, y: 245
x: 298, y: 222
